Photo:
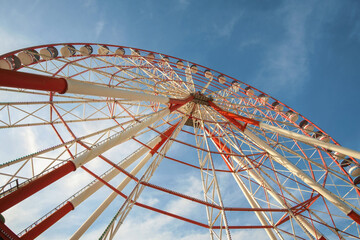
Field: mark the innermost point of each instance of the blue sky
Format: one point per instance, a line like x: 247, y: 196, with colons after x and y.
x: 303, y: 53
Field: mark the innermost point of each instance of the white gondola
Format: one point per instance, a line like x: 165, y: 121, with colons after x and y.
x: 354, y: 171
x: 235, y: 85
x: 277, y: 107
x: 306, y: 126
x: 194, y: 69
x: 320, y: 136
x: 179, y: 64
x: 338, y: 156
x: 208, y: 74
x: 346, y: 162
x: 292, y: 116
x: 120, y: 51
x: 135, y: 53
x: 164, y: 61
x: 86, y: 50
x: 249, y: 91
x: 263, y: 98
x: 10, y: 63
x: 103, y: 50
x: 49, y: 53
x: 67, y: 51
x: 28, y: 57
x: 357, y: 180
x: 221, y: 79
x: 150, y: 57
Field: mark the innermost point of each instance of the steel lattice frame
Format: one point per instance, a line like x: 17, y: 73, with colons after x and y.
x: 107, y: 111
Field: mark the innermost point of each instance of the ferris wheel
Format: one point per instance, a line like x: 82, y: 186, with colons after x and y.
x: 96, y: 135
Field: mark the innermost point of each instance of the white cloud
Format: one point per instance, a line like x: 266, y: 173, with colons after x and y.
x: 225, y: 30
x: 355, y: 33
x: 183, y: 4
x: 286, y: 64
x: 89, y: 3
x: 248, y: 43
x: 99, y: 27
x: 182, y: 206
x: 11, y: 41
x: 144, y: 224
x: 31, y: 142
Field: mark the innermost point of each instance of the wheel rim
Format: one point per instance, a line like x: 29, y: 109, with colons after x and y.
x: 289, y: 207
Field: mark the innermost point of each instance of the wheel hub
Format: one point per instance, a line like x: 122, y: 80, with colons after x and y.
x: 201, y: 99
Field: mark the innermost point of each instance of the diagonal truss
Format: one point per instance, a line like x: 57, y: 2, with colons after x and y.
x: 211, y: 189
x: 124, y: 210
x: 83, y: 111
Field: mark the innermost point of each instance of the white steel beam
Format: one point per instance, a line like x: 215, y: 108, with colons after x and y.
x: 262, y: 182
x: 254, y: 174
x: 118, y: 138
x: 252, y: 201
x: 311, y: 141
x: 78, y: 87
x: 91, y: 219
x: 285, y: 162
x: 209, y: 179
x: 126, y: 207
x: 114, y: 172
x: 300, y: 174
x: 254, y: 204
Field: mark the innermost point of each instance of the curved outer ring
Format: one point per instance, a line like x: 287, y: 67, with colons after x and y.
x: 191, y: 63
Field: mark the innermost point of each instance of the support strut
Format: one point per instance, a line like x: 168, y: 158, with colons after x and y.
x: 287, y: 164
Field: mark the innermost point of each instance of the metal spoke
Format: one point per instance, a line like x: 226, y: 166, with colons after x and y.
x: 70, y: 113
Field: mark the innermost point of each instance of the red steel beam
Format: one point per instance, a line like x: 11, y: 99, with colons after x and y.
x: 209, y: 204
x: 195, y: 222
x: 17, y: 79
x: 177, y: 103
x: 32, y: 81
x: 6, y: 233
x: 171, y: 214
x: 234, y: 118
x: 48, y: 222
x: 61, y: 212
x: 35, y: 185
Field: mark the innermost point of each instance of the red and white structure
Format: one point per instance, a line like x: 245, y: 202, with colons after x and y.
x: 93, y: 133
